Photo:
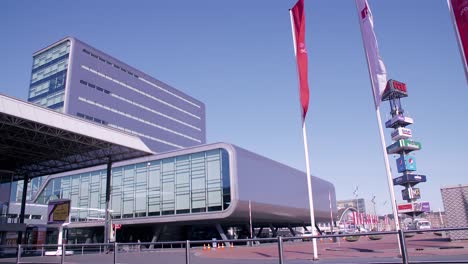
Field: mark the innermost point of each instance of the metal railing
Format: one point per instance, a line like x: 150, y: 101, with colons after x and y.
x: 116, y: 249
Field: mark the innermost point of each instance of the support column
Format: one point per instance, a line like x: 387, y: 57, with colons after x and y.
x: 222, y: 234
x: 23, y: 207
x: 259, y: 231
x: 107, y: 224
x: 293, y: 233
x: 156, y: 232
x: 274, y: 230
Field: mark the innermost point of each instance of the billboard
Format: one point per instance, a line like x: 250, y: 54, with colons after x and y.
x: 406, y: 163
x: 403, y: 144
x: 409, y: 178
x: 394, y: 89
x: 414, y: 207
x: 422, y: 207
x: 405, y: 208
x: 411, y: 193
x: 58, y: 211
x: 401, y: 133
x: 398, y: 121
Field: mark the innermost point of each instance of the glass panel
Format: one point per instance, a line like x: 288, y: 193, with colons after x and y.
x: 192, y: 183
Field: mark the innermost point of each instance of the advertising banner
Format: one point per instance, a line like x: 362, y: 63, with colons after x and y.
x: 411, y: 193
x: 409, y: 178
x: 58, y: 211
x: 421, y: 207
x: 406, y: 163
x: 399, y: 120
x: 401, y: 133
x: 403, y: 144
x: 405, y: 208
x: 394, y: 89
x: 299, y: 24
x: 459, y: 10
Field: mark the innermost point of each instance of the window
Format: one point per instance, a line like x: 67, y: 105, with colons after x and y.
x: 194, y: 183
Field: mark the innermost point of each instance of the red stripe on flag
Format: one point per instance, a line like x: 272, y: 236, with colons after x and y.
x: 301, y: 54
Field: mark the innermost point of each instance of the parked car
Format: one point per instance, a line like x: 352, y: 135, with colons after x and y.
x: 423, y: 225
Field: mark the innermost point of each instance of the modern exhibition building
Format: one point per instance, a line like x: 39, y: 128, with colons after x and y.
x: 195, y: 193
x: 187, y: 190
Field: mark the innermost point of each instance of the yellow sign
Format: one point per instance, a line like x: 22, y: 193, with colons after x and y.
x: 61, y: 212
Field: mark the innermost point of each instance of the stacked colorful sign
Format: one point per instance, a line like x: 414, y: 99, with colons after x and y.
x: 403, y: 145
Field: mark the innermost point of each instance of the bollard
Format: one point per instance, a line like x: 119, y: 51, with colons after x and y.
x: 62, y: 259
x: 187, y: 252
x: 280, y: 249
x: 18, y: 254
x: 115, y: 252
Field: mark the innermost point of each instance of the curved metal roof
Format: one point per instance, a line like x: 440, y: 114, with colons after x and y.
x: 37, y: 141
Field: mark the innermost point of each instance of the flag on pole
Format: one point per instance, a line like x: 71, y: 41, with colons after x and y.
x: 298, y: 17
x: 459, y: 12
x: 377, y: 70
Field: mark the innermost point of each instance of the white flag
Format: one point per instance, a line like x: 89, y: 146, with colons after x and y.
x: 376, y: 66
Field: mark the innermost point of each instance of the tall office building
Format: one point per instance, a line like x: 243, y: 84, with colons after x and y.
x: 77, y: 79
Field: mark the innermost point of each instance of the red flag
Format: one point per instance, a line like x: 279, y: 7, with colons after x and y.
x: 459, y: 9
x: 298, y: 17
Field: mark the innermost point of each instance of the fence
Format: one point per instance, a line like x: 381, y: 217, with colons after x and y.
x: 111, y: 252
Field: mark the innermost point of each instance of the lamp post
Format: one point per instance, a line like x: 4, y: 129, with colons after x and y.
x: 375, y: 212
x: 355, y: 192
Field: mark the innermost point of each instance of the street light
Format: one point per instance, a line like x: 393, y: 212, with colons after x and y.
x: 357, y: 206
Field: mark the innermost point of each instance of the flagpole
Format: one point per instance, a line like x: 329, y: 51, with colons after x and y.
x: 306, y: 152
x: 382, y: 141
x: 459, y: 42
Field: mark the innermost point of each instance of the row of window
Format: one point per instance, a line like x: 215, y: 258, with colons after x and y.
x: 51, y: 54
x: 49, y: 84
x: 26, y: 216
x: 145, y: 136
x: 136, y: 76
x: 91, y: 102
x: 108, y: 62
x: 90, y: 118
x: 51, y: 99
x: 48, y: 71
x: 95, y: 87
x: 136, y: 104
x: 139, y: 92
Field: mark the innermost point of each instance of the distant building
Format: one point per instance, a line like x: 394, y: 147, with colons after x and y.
x: 455, y: 199
x: 74, y: 78
x: 359, y: 204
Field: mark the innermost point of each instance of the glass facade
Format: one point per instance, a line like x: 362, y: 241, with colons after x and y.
x: 48, y: 77
x: 185, y: 184
x: 33, y: 187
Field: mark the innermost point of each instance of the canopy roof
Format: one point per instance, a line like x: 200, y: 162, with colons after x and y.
x: 37, y: 141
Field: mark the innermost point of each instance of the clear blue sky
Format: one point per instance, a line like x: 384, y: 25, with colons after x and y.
x: 237, y: 57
